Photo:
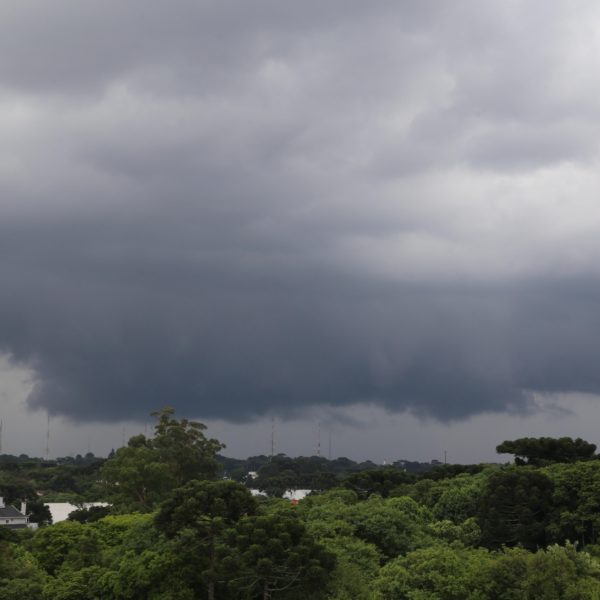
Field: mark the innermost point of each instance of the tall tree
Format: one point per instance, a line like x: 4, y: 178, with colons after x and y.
x: 144, y: 472
x: 183, y: 445
x: 197, y: 517
x: 576, y: 499
x: 515, y: 508
x: 545, y: 450
x: 278, y: 558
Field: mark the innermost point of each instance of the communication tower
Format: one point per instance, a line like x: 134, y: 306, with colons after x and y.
x: 48, y: 436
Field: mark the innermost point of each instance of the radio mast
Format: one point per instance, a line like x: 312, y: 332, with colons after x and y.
x: 48, y: 437
x: 318, y: 438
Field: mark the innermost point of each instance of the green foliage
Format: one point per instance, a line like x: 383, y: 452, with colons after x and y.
x: 456, y: 573
x: 468, y: 533
x: 327, y: 520
x: 89, y: 515
x: 459, y: 498
x: 357, y: 566
x: 21, y: 577
x: 59, y: 480
x: 65, y: 542
x: 282, y: 473
x: 152, y: 572
x: 141, y: 563
x: 440, y: 472
x: 16, y: 487
x: 137, y: 478
x: 384, y: 535
x: 392, y: 525
x: 545, y: 450
x: 381, y: 481
x: 199, y: 517
x: 515, y: 508
x: 184, y: 447
x: 576, y: 500
x: 395, y: 526
x: 143, y: 473
x: 560, y: 572
x: 435, y: 573
x: 125, y: 531
x: 327, y: 515
x: 204, y: 506
x: 39, y: 513
x: 277, y: 557
x: 215, y: 533
x: 73, y: 583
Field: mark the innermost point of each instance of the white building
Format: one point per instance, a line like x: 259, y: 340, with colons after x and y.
x: 60, y: 510
x: 296, y: 495
x: 13, y: 518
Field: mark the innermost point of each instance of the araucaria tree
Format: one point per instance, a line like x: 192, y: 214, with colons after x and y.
x: 545, y: 450
x: 198, y: 517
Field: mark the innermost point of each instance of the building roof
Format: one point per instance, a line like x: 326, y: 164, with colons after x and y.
x: 10, y: 512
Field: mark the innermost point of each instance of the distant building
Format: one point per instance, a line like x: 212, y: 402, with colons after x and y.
x: 296, y: 495
x: 60, y: 511
x: 13, y: 518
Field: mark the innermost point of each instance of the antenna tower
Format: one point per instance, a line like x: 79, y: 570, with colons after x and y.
x: 329, y: 453
x: 318, y: 438
x: 48, y: 437
x: 272, y: 436
x: 1, y: 424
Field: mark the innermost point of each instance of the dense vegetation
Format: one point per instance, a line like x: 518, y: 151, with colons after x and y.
x: 177, y: 530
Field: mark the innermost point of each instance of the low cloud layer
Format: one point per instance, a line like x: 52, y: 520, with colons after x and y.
x: 244, y: 208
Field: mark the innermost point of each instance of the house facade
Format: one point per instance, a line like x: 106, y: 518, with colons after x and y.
x: 13, y: 518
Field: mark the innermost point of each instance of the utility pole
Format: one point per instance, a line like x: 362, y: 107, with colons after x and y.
x: 1, y: 424
x: 329, y: 453
x: 272, y: 437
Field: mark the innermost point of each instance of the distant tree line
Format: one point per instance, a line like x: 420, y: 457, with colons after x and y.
x: 177, y: 530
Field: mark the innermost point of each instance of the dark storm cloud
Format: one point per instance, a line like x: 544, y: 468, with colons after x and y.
x: 239, y: 208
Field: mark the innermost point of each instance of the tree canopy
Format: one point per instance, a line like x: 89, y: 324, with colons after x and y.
x: 545, y: 450
x: 143, y: 473
x: 178, y: 531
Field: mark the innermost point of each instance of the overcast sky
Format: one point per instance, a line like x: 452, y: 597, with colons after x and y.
x: 383, y: 216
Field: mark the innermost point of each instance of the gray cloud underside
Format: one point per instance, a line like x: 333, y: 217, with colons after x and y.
x: 238, y: 208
